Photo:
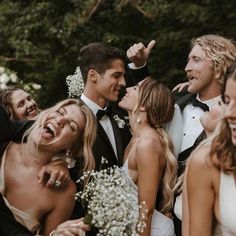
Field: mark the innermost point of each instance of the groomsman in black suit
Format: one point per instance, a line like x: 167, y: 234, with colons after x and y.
x: 208, y: 60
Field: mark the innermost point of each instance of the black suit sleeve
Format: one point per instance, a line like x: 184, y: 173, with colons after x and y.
x: 8, y: 225
x: 11, y: 130
x: 135, y: 76
x: 5, y: 126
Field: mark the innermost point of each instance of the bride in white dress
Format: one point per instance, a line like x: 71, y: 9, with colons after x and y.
x: 149, y: 160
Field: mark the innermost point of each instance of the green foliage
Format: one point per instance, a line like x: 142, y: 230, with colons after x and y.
x: 40, y: 39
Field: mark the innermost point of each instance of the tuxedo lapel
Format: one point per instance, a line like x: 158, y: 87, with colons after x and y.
x: 118, y: 140
x: 183, y: 101
x: 102, y: 134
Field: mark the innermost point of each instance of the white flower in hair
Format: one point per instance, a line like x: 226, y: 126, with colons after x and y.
x: 75, y: 83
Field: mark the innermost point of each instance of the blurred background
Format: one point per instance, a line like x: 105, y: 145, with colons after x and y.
x: 40, y: 39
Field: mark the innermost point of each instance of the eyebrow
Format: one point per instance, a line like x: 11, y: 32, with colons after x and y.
x: 65, y: 112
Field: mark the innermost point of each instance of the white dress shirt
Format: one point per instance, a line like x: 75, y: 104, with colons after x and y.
x: 192, y: 126
x: 174, y: 130
x: 104, y: 121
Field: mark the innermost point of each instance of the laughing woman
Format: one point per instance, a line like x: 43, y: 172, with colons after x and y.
x: 149, y: 160
x: 67, y: 127
x: 18, y: 103
x: 210, y: 180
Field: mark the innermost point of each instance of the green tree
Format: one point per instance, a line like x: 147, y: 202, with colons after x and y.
x: 40, y: 39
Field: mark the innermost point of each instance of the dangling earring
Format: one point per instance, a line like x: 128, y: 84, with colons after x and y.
x: 70, y: 161
x: 138, y: 120
x: 67, y: 153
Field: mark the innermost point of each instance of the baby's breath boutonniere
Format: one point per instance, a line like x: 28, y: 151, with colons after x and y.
x: 119, y: 121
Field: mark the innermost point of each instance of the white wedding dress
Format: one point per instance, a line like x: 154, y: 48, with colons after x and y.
x: 161, y: 224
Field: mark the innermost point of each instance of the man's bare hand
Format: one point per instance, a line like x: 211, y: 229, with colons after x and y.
x: 139, y: 54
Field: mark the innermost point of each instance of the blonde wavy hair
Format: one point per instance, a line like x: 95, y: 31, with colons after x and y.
x: 221, y: 51
x: 159, y: 106
x: 82, y: 147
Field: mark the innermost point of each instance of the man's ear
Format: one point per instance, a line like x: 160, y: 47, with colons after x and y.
x: 92, y: 75
x: 217, y: 74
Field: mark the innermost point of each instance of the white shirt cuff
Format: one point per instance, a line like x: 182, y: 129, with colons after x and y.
x: 134, y: 67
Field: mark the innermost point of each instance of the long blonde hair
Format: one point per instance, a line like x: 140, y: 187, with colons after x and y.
x: 82, y: 147
x: 159, y: 106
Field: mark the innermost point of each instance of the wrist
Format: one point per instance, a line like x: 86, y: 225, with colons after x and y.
x: 136, y: 66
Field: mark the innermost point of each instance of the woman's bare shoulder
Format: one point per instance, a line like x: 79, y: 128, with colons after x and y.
x: 200, y: 160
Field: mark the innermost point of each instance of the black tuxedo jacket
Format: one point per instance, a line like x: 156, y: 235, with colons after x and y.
x: 183, y: 99
x: 11, y: 130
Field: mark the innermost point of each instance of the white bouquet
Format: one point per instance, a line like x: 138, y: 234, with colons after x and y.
x: 111, y: 202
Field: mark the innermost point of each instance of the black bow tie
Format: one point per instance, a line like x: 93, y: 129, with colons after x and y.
x: 197, y: 103
x: 100, y: 113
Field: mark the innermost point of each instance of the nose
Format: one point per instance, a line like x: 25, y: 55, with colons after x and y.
x: 188, y: 66
x: 122, y: 81
x: 128, y: 89
x: 30, y: 103
x: 230, y: 111
x: 60, y: 120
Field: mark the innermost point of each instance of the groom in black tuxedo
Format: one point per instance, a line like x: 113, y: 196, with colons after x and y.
x: 103, y: 71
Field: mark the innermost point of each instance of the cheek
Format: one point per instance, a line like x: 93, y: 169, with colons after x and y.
x: 20, y: 113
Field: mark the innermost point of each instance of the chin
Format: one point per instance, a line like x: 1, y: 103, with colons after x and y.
x: 234, y: 141
x: 121, y: 104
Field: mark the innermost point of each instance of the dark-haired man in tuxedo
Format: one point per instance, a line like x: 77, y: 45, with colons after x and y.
x: 103, y: 71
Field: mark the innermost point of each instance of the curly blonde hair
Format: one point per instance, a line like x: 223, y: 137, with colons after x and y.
x: 221, y: 51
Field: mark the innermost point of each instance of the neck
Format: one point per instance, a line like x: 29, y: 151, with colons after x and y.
x: 136, y: 127
x: 96, y: 98
x: 210, y: 92
x: 33, y: 156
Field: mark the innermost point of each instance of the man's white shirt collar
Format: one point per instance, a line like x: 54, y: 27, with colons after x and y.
x: 211, y: 102
x: 92, y: 105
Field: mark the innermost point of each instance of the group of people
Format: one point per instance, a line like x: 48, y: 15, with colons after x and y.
x: 186, y: 191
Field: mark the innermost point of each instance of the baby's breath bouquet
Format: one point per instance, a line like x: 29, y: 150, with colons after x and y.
x: 111, y: 202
